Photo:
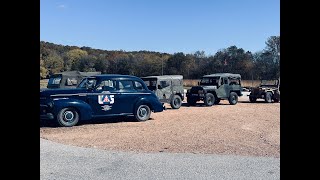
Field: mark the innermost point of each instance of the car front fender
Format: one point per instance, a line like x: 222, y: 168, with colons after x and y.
x: 153, y: 102
x: 84, y: 108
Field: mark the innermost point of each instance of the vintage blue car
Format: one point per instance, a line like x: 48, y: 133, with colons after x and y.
x: 97, y: 96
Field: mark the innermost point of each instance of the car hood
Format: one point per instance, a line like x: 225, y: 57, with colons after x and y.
x: 204, y: 87
x: 209, y: 87
x: 49, y: 92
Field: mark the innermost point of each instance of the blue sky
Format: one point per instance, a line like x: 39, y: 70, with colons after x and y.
x: 164, y: 26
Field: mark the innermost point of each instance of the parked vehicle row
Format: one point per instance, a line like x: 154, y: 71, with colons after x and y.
x: 109, y: 95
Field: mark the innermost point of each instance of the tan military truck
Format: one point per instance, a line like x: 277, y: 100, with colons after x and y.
x: 168, y: 88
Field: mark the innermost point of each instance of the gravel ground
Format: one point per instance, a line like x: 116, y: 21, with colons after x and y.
x: 243, y: 129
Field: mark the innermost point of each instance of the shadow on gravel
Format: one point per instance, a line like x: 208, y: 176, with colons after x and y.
x: 120, y: 119
x: 203, y: 105
x: 257, y: 102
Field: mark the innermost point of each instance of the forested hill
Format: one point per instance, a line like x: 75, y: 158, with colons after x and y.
x: 264, y: 64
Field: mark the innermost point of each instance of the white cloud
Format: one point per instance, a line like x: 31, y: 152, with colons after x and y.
x: 62, y: 6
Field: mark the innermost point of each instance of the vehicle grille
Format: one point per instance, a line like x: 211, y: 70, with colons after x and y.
x: 195, y: 90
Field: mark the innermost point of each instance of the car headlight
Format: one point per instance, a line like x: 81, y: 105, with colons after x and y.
x: 50, y: 104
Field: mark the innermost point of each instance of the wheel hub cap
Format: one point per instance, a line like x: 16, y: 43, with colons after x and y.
x: 68, y: 115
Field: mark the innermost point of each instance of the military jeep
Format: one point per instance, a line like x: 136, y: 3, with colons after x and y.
x: 267, y: 90
x: 214, y: 87
x: 68, y: 79
x: 168, y: 88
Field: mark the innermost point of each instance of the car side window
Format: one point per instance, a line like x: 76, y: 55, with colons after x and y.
x: 234, y: 82
x: 125, y: 85
x: 138, y: 86
x: 164, y: 84
x: 71, y: 82
x: 225, y: 80
x: 107, y: 85
x: 177, y: 82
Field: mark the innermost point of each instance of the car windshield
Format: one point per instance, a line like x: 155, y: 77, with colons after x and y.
x: 269, y: 83
x: 209, y: 81
x: 88, y: 83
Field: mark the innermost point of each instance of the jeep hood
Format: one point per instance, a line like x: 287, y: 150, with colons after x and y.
x: 204, y: 87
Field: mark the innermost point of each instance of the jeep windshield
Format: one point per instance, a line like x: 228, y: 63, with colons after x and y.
x: 88, y: 83
x: 151, y: 83
x: 209, y: 81
x: 272, y: 83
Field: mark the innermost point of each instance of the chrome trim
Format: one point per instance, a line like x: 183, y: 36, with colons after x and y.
x: 85, y: 94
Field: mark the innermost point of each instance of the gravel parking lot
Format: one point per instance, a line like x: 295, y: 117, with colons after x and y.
x: 242, y: 129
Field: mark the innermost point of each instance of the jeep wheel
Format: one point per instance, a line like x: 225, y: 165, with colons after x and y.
x: 142, y: 113
x: 252, y: 99
x: 217, y: 101
x: 67, y: 117
x: 233, y: 98
x: 176, y: 102
x: 268, y: 97
x: 209, y: 99
x: 191, y: 101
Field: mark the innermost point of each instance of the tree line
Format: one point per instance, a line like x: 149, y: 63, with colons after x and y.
x: 264, y: 64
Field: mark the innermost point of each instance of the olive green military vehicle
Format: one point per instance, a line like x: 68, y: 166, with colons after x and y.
x: 269, y: 90
x: 168, y: 88
x: 68, y: 79
x: 215, y: 87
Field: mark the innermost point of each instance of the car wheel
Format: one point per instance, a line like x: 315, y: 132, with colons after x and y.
x: 176, y: 102
x: 268, y: 97
x: 252, y: 99
x: 142, y: 113
x: 191, y: 101
x: 233, y: 98
x: 68, y: 117
x: 209, y: 99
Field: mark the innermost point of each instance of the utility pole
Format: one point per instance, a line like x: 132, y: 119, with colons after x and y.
x: 251, y: 79
x: 162, y: 66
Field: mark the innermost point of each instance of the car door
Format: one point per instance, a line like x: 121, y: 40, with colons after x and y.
x: 164, y: 90
x: 104, y: 98
x: 223, y: 90
x: 127, y: 97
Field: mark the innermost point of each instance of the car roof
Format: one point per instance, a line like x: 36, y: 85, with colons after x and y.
x: 223, y: 74
x: 115, y: 76
x: 166, y: 77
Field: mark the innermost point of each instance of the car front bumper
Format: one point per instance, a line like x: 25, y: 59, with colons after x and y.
x: 46, y: 116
